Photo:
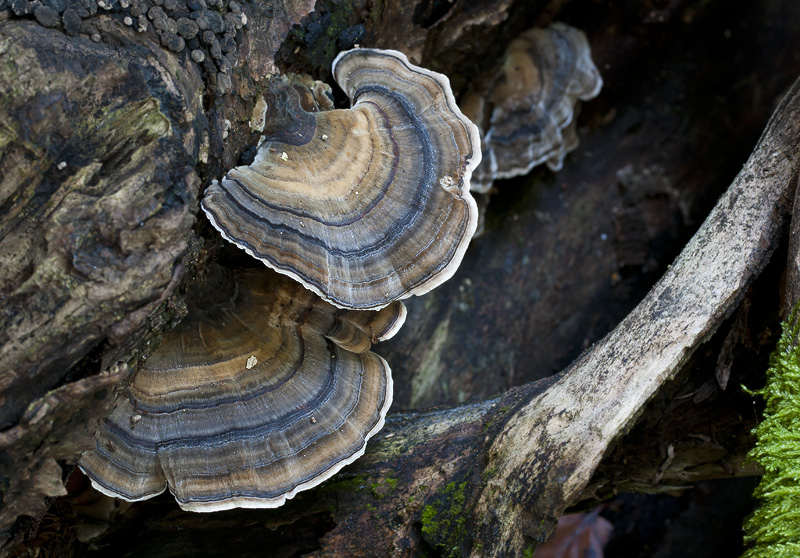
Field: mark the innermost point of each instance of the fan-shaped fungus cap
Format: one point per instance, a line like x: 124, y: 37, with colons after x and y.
x: 251, y: 399
x: 366, y: 205
x: 544, y: 73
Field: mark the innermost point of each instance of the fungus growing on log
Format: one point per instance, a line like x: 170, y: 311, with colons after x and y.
x: 544, y: 74
x: 366, y: 205
x: 262, y: 391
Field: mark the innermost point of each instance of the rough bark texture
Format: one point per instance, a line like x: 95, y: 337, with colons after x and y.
x: 792, y: 291
x: 98, y: 198
x: 551, y: 445
x: 91, y: 252
x: 699, y: 426
x: 100, y: 147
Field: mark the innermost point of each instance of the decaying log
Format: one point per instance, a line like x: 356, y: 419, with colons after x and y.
x: 552, y: 435
x: 490, y: 478
x: 98, y: 198
x: 485, y: 478
x: 101, y: 142
x: 97, y: 161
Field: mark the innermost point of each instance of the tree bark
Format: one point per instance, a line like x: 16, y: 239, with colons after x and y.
x: 92, y: 256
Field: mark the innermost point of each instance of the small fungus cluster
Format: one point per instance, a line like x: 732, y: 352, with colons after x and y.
x: 528, y: 107
x: 268, y: 387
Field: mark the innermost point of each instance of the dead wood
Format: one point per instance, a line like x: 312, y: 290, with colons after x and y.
x: 487, y: 478
x: 523, y: 473
x: 490, y: 478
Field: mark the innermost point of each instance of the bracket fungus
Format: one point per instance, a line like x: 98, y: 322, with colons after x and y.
x: 365, y: 205
x: 545, y: 72
x: 262, y: 392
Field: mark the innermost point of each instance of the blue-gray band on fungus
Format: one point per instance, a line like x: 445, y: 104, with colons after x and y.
x: 375, y: 206
x: 261, y: 391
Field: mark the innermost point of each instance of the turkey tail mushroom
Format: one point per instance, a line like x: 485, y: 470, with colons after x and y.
x: 545, y: 72
x: 366, y: 205
x: 253, y: 397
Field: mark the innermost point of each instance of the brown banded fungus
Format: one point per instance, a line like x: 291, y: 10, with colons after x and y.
x: 263, y: 390
x: 365, y: 205
x: 544, y: 74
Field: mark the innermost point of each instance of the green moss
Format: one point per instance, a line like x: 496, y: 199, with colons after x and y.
x: 348, y: 485
x: 773, y: 530
x: 382, y: 488
x: 428, y: 519
x: 142, y: 120
x: 444, y: 520
x: 528, y: 552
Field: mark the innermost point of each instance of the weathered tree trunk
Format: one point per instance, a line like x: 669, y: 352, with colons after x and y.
x: 92, y: 254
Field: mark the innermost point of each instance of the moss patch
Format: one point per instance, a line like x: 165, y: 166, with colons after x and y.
x: 355, y: 484
x: 773, y: 530
x: 382, y: 488
x: 444, y: 520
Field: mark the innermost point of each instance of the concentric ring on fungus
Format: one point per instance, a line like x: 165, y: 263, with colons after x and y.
x: 365, y: 205
x: 257, y: 394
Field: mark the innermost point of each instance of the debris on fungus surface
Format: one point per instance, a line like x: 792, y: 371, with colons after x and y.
x: 530, y: 104
x: 262, y: 391
x: 365, y: 205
